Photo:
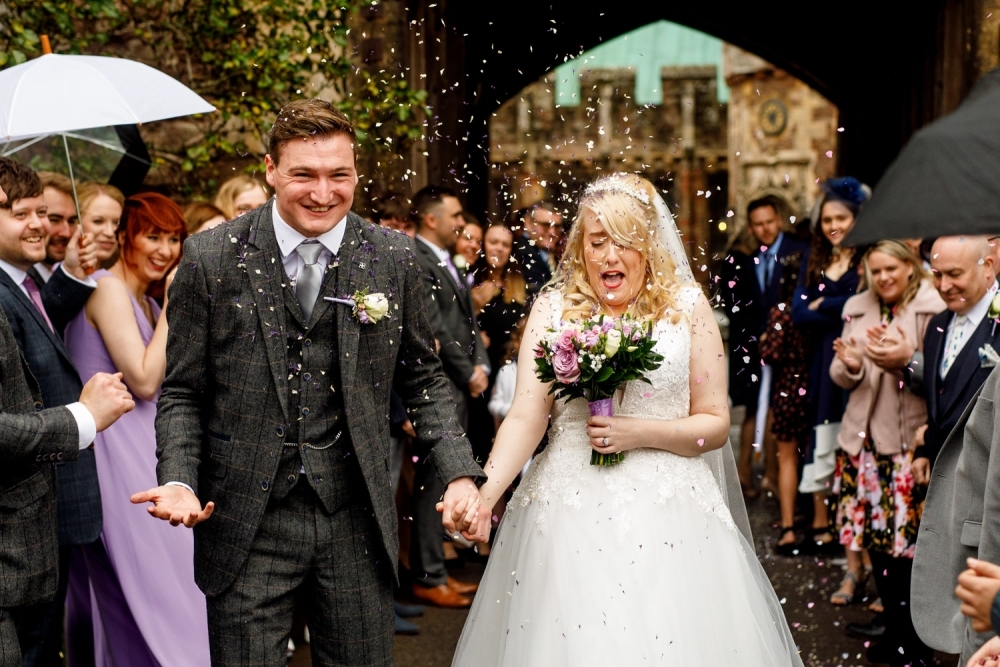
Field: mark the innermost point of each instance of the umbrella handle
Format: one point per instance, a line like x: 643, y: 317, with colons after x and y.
x: 46, y: 45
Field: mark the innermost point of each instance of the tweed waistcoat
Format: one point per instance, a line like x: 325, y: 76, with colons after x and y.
x: 316, y: 438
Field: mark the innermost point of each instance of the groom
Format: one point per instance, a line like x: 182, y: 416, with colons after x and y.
x: 274, y: 411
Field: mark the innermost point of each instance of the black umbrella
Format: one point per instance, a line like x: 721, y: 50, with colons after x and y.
x: 946, y: 180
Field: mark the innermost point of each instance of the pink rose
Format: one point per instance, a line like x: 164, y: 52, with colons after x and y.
x: 565, y: 365
x: 565, y: 341
x: 591, y: 338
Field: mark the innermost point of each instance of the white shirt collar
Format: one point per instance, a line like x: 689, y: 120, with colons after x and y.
x: 16, y: 274
x: 978, y: 311
x: 441, y: 253
x: 289, y: 238
x: 44, y: 271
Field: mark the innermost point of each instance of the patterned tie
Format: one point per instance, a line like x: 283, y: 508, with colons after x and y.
x: 954, y: 345
x: 36, y: 298
x: 310, y: 277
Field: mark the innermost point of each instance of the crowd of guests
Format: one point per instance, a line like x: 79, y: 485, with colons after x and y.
x: 854, y: 364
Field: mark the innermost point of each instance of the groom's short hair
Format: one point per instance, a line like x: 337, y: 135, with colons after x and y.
x: 307, y: 119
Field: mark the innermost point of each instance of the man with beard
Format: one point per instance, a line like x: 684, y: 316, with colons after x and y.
x: 62, y: 220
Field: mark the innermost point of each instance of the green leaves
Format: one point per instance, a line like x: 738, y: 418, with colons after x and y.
x: 247, y: 58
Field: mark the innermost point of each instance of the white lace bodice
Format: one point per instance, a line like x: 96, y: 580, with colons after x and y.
x: 563, y: 470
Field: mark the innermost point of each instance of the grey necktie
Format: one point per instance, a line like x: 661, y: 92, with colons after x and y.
x: 310, y: 276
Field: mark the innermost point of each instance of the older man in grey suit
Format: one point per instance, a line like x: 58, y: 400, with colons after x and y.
x: 961, y: 516
x: 289, y: 326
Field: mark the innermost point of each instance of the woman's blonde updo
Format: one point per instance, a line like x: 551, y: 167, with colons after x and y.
x: 624, y: 204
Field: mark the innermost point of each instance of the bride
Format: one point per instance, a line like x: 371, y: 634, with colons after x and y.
x: 647, y: 562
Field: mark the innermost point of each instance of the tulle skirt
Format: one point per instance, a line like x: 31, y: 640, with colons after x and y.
x: 679, y: 585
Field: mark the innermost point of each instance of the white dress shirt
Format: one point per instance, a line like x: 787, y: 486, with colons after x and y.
x: 85, y: 424
x: 289, y: 239
x: 975, y: 317
x: 45, y: 272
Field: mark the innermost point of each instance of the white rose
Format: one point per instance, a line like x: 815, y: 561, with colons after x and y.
x: 376, y: 305
x: 613, y: 342
x: 995, y: 305
x: 459, y: 262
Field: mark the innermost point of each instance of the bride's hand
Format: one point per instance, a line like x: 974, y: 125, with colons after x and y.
x: 609, y: 435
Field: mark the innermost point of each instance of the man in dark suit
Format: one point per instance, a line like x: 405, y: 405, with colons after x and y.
x: 438, y: 213
x: 31, y: 440
x: 960, y: 513
x: 37, y: 311
x: 750, y: 286
x: 289, y: 326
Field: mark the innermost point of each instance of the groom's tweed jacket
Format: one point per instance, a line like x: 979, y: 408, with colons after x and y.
x: 224, y: 413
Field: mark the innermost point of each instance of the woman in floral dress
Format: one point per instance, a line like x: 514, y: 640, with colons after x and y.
x: 878, y: 505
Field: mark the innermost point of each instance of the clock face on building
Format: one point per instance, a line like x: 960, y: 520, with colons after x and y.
x: 773, y: 117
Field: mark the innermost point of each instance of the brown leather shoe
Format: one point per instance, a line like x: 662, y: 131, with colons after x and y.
x: 441, y: 596
x: 461, y: 588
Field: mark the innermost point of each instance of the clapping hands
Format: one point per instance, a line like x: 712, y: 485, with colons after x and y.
x: 889, y: 349
x: 849, y: 352
x: 463, y: 511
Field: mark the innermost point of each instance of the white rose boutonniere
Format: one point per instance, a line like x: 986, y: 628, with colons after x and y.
x: 368, y: 308
x: 460, y: 262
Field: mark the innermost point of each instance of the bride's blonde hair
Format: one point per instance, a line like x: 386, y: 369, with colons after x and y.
x: 623, y: 203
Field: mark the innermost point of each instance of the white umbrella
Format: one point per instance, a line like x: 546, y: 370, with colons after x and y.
x: 60, y: 94
x: 54, y: 94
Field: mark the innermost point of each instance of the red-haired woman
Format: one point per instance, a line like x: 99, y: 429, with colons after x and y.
x: 148, y: 609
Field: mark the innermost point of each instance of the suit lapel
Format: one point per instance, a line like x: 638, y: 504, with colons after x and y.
x: 36, y: 316
x: 270, y: 292
x: 445, y: 279
x: 932, y: 360
x: 967, y: 362
x: 351, y: 276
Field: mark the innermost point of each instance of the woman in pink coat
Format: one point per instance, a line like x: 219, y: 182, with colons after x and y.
x: 878, y: 506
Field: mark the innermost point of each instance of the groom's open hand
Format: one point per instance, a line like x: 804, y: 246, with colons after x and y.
x: 175, y: 504
x: 462, y: 511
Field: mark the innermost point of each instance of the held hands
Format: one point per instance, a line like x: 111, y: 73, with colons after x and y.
x: 81, y: 255
x: 175, y: 504
x: 988, y: 654
x: 106, y: 398
x: 463, y: 511
x: 848, y: 352
x: 889, y: 349
x: 610, y: 435
x: 480, y: 380
x: 976, y: 588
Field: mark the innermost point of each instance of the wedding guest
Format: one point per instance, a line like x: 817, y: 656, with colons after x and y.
x: 499, y: 292
x: 199, y: 217
x: 241, y: 194
x: 393, y: 211
x: 100, y: 214
x: 439, y: 224
x: 536, y: 244
x: 785, y: 348
x: 977, y: 590
x: 827, y: 279
x: 878, y: 503
x: 502, y: 396
x: 38, y: 311
x: 141, y: 572
x: 469, y: 246
x: 62, y: 219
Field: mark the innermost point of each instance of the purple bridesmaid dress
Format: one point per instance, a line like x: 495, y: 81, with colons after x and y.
x: 144, y: 604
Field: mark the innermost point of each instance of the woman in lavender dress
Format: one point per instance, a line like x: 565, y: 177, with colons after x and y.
x: 138, y: 583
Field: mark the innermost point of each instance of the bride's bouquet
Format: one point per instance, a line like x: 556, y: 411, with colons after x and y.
x: 592, y: 359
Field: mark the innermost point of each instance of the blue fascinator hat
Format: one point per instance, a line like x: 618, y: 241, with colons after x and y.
x: 848, y: 190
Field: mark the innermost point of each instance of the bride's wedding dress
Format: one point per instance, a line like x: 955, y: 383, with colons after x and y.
x: 636, y: 564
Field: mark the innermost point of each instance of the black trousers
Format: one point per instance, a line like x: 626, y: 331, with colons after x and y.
x: 10, y: 649
x: 892, y: 578
x: 427, y: 541
x: 333, y: 565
